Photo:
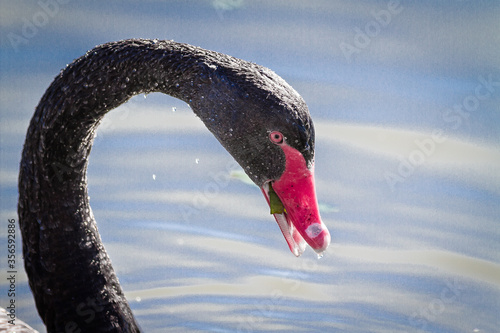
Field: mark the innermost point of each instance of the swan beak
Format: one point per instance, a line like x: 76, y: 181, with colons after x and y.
x: 299, y: 220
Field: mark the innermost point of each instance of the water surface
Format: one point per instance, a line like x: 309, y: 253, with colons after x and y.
x: 408, y: 182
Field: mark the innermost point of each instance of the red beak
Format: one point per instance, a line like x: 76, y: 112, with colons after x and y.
x: 300, y: 221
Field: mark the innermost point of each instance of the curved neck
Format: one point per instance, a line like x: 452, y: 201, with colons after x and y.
x: 70, y: 274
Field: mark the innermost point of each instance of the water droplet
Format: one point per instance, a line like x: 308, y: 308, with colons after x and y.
x: 320, y: 255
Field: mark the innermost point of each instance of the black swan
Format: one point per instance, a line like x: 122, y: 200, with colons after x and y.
x: 261, y: 121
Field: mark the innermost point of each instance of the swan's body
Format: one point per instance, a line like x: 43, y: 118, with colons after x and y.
x: 246, y: 106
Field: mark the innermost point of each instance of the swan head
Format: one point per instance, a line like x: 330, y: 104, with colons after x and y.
x: 266, y: 126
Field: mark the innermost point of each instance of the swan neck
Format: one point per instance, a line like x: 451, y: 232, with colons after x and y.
x: 70, y: 273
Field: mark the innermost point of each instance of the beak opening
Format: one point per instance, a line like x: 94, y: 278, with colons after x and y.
x: 295, y: 209
x: 295, y: 241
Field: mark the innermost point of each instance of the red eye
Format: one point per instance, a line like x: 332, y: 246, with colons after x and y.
x: 276, y: 137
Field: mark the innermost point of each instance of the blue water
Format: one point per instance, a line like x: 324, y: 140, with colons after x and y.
x: 407, y: 163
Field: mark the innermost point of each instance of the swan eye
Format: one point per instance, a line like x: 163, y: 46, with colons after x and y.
x: 276, y: 137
